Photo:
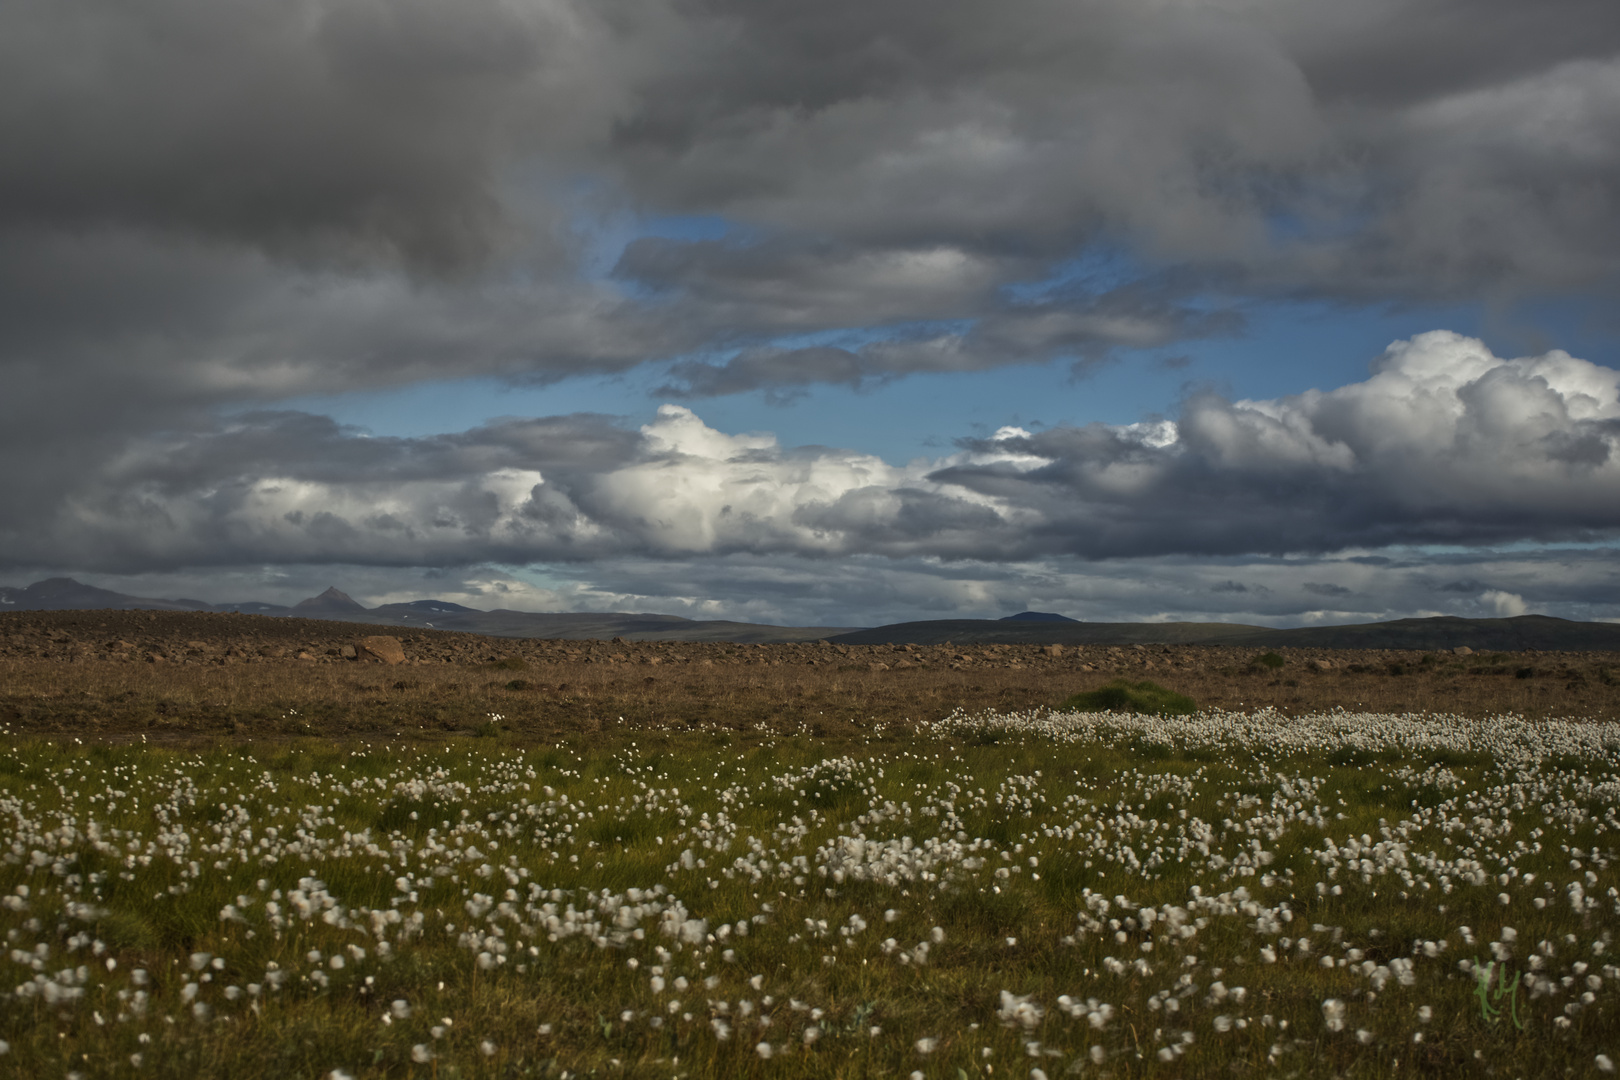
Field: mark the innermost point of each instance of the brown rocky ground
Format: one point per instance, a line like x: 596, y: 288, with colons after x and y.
x: 177, y: 675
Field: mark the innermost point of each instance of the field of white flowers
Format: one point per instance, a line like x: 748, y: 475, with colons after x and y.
x: 1019, y: 896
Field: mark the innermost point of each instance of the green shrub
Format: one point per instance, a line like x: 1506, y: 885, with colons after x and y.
x: 1270, y: 660
x: 1122, y: 695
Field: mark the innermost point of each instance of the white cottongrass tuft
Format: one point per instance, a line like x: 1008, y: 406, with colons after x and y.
x: 1019, y: 1011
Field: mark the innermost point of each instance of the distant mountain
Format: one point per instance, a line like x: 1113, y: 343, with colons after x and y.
x: 1011, y: 631
x: 254, y: 607
x: 1448, y: 632
x: 424, y: 608
x: 1444, y: 632
x: 330, y: 602
x: 64, y: 593
x: 589, y: 625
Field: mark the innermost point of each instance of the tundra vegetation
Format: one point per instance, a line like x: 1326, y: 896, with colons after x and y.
x: 176, y: 677
x: 1030, y: 894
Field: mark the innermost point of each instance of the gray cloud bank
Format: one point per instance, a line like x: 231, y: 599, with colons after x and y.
x: 211, y: 200
x: 1444, y: 443
x: 213, y: 205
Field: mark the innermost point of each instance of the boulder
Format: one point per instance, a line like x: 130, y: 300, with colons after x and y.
x: 386, y: 649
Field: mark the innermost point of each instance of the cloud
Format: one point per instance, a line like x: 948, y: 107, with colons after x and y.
x: 869, y: 590
x: 1445, y: 443
x: 370, y: 194
x: 210, y: 207
x: 1505, y: 604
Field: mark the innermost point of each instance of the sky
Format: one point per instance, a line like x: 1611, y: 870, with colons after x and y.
x: 824, y: 314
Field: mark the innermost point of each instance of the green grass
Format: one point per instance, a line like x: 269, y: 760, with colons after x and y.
x: 1122, y: 695
x: 1019, y: 838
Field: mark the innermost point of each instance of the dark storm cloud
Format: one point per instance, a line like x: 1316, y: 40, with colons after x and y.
x: 350, y: 129
x: 210, y: 164
x: 210, y: 205
x: 990, y: 330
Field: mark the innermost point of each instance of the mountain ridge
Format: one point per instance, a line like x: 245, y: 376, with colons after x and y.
x: 66, y: 594
x: 1516, y: 634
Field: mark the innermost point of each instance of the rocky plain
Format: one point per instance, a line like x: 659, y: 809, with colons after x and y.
x: 181, y: 675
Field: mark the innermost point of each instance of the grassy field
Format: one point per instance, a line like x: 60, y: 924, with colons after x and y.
x: 551, y: 690
x: 1016, y: 895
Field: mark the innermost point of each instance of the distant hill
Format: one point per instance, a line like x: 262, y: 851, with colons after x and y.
x: 63, y: 594
x: 330, y: 602
x: 424, y: 609
x: 1447, y: 632
x: 1027, y: 627
x: 1009, y: 631
x: 1442, y: 632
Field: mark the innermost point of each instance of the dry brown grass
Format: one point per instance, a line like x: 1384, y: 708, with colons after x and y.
x: 541, y: 693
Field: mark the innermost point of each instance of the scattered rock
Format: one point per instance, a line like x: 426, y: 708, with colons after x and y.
x: 386, y: 649
x: 1054, y: 650
x: 1463, y: 650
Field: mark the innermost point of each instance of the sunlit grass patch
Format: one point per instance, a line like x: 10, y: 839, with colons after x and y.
x: 1075, y: 893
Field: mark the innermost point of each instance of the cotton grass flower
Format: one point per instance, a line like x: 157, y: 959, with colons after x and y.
x: 1207, y: 891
